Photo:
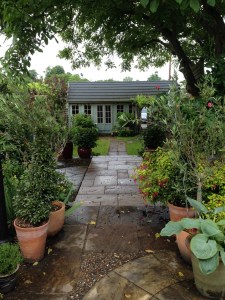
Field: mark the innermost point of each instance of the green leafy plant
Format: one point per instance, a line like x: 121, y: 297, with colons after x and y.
x: 84, y: 132
x: 154, y: 136
x: 38, y: 184
x: 10, y: 257
x: 208, y: 244
x: 160, y: 178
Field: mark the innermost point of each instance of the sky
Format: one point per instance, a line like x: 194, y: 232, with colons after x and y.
x: 41, y: 60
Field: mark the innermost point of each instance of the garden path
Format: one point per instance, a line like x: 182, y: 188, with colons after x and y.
x: 107, y: 249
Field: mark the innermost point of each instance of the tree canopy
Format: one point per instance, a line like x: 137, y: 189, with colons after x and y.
x: 154, y: 76
x: 145, y: 32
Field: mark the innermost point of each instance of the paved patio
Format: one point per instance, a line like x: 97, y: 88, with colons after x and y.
x: 107, y: 249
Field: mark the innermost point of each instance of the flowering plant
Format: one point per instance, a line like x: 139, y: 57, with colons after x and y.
x: 159, y: 179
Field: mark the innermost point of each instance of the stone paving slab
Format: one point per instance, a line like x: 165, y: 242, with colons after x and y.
x: 119, y: 189
x: 147, y: 277
x: 105, y: 180
x: 92, y: 200
x: 113, y: 238
x: 83, y: 215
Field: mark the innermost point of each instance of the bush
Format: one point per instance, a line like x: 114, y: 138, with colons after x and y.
x: 84, y: 133
x: 154, y: 136
x: 10, y: 257
x: 122, y: 132
x: 38, y: 185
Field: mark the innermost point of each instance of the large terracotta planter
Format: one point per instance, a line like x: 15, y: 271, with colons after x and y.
x: 56, y: 219
x: 8, y: 282
x: 211, y: 286
x: 177, y: 213
x: 32, y: 241
x: 84, y: 152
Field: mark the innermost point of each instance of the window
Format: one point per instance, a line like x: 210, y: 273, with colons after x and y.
x: 75, y: 109
x: 100, y: 114
x: 108, y: 114
x: 119, y: 108
x: 87, y: 109
x: 130, y: 108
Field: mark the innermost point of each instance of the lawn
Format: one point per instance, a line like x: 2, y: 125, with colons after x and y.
x: 133, y: 145
x: 102, y: 147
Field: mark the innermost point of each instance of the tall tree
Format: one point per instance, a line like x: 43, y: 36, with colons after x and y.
x: 52, y: 71
x: 154, y: 77
x: 145, y: 31
x: 127, y: 78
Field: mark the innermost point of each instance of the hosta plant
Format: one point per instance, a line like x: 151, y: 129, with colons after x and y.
x: 208, y: 244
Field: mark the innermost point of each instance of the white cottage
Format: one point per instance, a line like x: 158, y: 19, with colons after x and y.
x: 103, y: 100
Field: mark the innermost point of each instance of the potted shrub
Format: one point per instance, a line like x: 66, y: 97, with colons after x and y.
x: 154, y: 136
x: 10, y: 259
x: 32, y: 204
x: 84, y: 134
x: 60, y: 207
x: 161, y: 180
x: 207, y: 247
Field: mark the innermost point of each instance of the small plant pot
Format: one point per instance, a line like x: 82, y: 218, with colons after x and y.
x: 84, y: 152
x: 8, y: 282
x: 212, y: 285
x: 56, y: 219
x: 177, y: 213
x: 32, y: 241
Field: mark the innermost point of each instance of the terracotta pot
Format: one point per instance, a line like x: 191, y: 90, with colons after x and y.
x: 56, y: 219
x: 183, y: 243
x: 177, y: 213
x: 32, y: 241
x: 8, y: 282
x: 84, y: 152
x: 211, y: 286
x: 68, y: 151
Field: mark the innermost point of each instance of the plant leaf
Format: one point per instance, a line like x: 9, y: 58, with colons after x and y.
x: 144, y: 2
x: 209, y: 227
x: 198, y: 206
x: 179, y: 1
x: 70, y: 210
x: 221, y: 223
x: 154, y: 5
x: 211, y: 2
x: 219, y: 209
x: 189, y: 223
x: 171, y: 228
x: 202, y: 247
x: 208, y: 266
x: 194, y: 4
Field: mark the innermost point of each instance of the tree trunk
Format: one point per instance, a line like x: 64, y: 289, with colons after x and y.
x: 186, y: 65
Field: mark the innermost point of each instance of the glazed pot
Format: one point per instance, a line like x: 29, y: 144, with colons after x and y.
x: 8, y: 282
x: 177, y: 213
x: 212, y: 285
x: 32, y: 241
x: 84, y: 152
x: 68, y: 151
x: 56, y: 218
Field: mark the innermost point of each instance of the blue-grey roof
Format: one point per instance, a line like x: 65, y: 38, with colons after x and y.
x: 115, y: 91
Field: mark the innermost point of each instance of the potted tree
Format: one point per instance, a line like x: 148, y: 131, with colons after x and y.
x: 84, y: 134
x: 207, y: 246
x: 10, y: 259
x: 36, y: 191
